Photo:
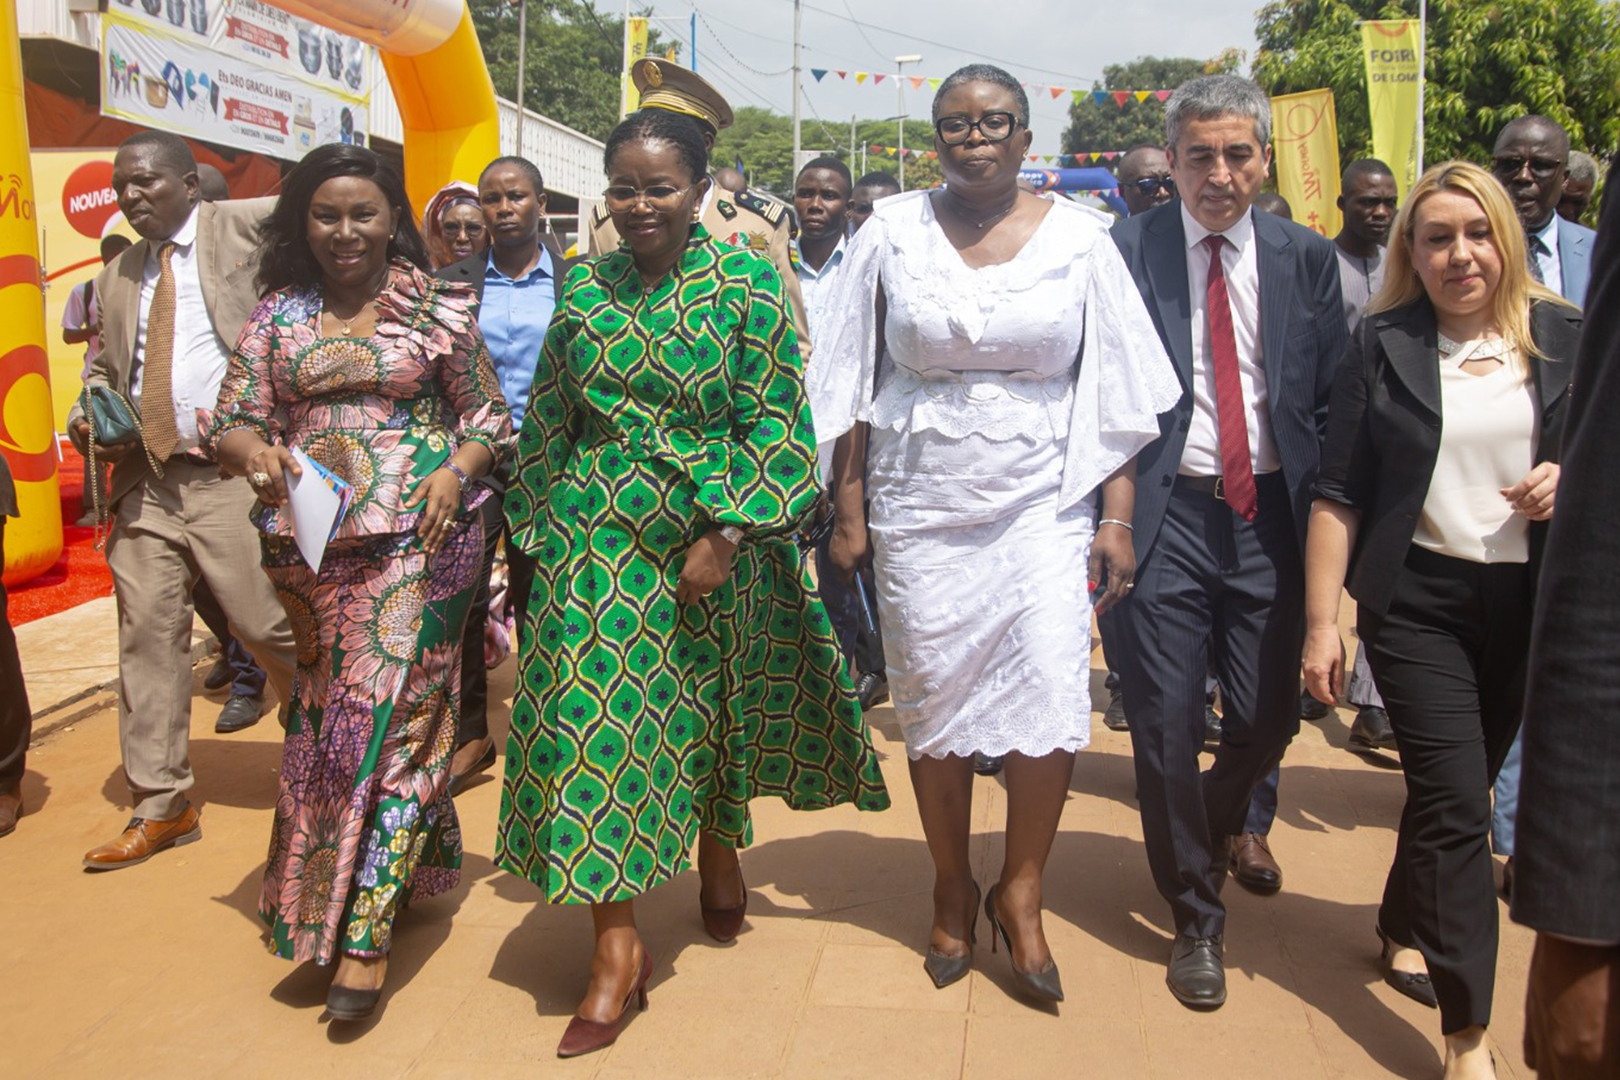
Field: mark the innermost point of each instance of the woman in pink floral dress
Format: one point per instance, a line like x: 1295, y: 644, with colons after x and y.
x: 375, y: 369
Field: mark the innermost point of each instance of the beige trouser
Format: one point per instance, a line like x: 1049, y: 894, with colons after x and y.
x: 166, y: 534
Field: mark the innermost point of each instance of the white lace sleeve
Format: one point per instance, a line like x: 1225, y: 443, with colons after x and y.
x: 1126, y: 380
x: 843, y: 365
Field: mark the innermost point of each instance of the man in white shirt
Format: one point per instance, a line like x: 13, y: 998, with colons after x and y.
x: 821, y: 196
x: 172, y: 306
x: 1247, y: 306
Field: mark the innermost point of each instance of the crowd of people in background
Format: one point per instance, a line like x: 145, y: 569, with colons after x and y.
x: 990, y: 419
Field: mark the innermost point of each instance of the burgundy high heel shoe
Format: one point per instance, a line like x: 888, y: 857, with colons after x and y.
x: 724, y: 924
x: 584, y: 1036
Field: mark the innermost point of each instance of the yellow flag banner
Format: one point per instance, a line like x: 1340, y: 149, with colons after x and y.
x: 1306, y: 133
x: 1390, y: 49
x: 635, y: 47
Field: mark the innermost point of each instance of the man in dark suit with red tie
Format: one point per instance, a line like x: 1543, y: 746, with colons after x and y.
x: 1247, y: 305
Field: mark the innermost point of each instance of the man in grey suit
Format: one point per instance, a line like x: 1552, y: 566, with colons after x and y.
x: 1248, y: 306
x: 1532, y: 161
x: 1569, y: 821
x: 172, y: 307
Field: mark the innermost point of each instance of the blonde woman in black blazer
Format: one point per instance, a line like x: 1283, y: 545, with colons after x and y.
x: 1439, y: 473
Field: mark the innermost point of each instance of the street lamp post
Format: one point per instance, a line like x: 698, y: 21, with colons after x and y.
x: 900, y: 89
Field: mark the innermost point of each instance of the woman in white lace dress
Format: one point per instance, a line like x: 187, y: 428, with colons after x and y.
x: 995, y: 352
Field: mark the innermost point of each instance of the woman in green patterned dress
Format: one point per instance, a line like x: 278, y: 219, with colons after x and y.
x: 674, y: 659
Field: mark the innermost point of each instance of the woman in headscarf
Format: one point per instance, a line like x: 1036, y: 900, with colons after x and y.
x: 453, y: 225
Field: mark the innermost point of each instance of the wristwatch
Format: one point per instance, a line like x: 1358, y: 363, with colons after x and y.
x: 732, y: 535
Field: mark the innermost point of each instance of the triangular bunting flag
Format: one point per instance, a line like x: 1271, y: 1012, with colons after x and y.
x: 1059, y: 91
x: 1094, y: 157
x: 841, y: 74
x: 1121, y: 97
x: 1100, y: 97
x: 819, y: 73
x: 860, y: 77
x: 1080, y: 97
x: 917, y: 81
x: 1033, y: 158
x: 931, y: 154
x: 1162, y: 95
x: 876, y: 149
x: 878, y: 78
x: 1110, y: 155
x: 933, y: 84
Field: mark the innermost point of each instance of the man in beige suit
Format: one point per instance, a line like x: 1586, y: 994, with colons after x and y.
x: 172, y: 307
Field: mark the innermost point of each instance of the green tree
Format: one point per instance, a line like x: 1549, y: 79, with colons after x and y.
x: 1095, y: 128
x: 1485, y: 63
x: 573, y: 56
x: 763, y: 141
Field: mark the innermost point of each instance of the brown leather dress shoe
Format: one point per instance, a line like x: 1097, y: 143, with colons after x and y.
x: 1253, y: 864
x: 143, y: 838
x: 10, y: 809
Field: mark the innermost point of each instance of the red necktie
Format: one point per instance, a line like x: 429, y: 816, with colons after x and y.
x: 1237, y: 468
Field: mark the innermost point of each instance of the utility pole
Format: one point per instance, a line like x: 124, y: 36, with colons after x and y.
x: 523, y: 42
x: 798, y: 23
x: 900, y: 122
x: 852, y: 142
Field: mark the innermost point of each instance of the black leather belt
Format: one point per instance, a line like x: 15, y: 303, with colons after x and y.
x: 1213, y: 486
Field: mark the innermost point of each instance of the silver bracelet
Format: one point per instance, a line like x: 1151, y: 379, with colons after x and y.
x: 1116, y: 521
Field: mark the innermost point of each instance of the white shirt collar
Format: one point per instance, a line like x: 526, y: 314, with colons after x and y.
x: 832, y: 262
x: 1238, y: 235
x: 185, y: 235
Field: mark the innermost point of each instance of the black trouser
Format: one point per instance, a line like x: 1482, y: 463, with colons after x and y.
x: 16, y: 721
x: 1214, y: 591
x: 862, y: 647
x: 474, y: 722
x: 247, y: 677
x: 1450, y: 658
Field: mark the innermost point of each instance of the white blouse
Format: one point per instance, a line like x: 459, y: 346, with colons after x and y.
x: 1489, y: 428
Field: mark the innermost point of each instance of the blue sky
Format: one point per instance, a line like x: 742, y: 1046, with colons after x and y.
x: 745, y: 46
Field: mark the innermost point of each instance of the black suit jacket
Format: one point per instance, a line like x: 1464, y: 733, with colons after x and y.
x: 1567, y: 855
x: 471, y: 270
x: 1302, y: 337
x: 1385, y: 424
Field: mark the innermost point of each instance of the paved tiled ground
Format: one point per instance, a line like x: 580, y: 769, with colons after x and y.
x: 158, y: 971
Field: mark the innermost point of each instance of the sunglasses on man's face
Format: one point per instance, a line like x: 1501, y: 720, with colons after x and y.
x: 1152, y: 185
x: 1508, y: 168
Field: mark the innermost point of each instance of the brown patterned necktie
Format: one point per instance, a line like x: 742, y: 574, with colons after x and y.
x: 157, y: 394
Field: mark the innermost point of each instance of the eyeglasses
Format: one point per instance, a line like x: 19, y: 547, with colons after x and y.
x: 1507, y: 168
x: 994, y: 126
x: 1152, y: 185
x: 623, y: 197
x: 472, y: 230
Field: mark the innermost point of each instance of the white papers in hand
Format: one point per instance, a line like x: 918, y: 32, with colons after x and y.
x: 316, y: 502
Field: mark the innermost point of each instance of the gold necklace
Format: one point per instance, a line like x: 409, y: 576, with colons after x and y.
x: 348, y: 324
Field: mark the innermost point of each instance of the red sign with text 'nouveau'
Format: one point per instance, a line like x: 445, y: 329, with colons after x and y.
x: 88, y: 198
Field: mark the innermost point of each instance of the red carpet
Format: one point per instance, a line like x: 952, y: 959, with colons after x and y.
x: 79, y: 575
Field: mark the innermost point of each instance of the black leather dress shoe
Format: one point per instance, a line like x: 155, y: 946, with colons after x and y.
x: 1114, y: 717
x: 1310, y: 708
x: 986, y: 764
x: 240, y: 712
x: 872, y: 689
x: 219, y: 676
x: 1197, y: 975
x: 1212, y: 726
x: 1371, y: 731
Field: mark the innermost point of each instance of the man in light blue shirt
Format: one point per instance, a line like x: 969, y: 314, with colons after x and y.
x: 517, y: 281
x: 821, y: 201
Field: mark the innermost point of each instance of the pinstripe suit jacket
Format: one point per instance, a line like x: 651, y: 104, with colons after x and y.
x: 1302, y: 339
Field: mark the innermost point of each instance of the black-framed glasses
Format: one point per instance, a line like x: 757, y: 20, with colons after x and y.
x: 994, y: 126
x: 472, y: 230
x: 1152, y: 185
x: 1506, y: 168
x: 623, y: 197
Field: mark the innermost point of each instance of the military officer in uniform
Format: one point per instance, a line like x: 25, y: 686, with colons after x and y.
x: 740, y: 220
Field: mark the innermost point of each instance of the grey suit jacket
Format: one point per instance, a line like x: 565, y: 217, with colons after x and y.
x: 1302, y: 339
x: 1575, y: 259
x: 227, y: 240
x: 1567, y: 857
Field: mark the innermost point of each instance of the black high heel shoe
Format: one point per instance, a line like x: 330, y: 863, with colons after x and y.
x: 1046, y: 985
x: 945, y: 970
x: 1414, y: 984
